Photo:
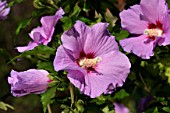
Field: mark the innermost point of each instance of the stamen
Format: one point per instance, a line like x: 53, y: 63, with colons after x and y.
x: 87, y: 63
x: 153, y: 32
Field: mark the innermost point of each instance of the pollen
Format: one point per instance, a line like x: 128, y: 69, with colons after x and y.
x: 89, y: 63
x: 153, y: 32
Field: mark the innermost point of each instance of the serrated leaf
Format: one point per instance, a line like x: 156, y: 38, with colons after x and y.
x: 46, y: 66
x: 121, y: 94
x: 47, y: 96
x: 5, y: 106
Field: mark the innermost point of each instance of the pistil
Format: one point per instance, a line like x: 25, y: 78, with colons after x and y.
x: 153, y: 32
x: 89, y: 62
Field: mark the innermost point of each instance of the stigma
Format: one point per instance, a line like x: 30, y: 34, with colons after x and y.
x: 89, y: 62
x: 153, y: 32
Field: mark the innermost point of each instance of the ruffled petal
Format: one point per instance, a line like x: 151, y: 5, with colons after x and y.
x: 30, y: 46
x: 50, y: 21
x: 65, y: 60
x: 131, y: 21
x: 39, y: 30
x: 99, y: 40
x: 74, y: 39
x: 13, y: 79
x: 77, y: 79
x: 96, y: 84
x: 115, y: 64
x: 154, y: 10
x: 140, y: 46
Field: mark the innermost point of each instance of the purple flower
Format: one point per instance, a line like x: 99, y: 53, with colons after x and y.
x: 150, y: 23
x: 92, y: 59
x: 43, y: 34
x: 144, y: 102
x: 120, y: 108
x: 30, y: 81
x: 3, y: 10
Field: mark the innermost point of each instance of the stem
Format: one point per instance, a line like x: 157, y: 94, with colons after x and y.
x: 53, y: 4
x: 145, y: 86
x: 72, y: 94
x: 49, y: 108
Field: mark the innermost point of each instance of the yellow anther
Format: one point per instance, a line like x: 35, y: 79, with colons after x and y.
x: 86, y: 63
x: 153, y: 32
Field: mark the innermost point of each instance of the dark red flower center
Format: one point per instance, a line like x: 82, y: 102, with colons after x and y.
x: 154, y: 30
x: 88, y: 61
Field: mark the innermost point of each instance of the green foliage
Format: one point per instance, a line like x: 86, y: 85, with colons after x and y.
x: 121, y: 94
x: 41, y: 51
x: 46, y: 98
x: 5, y: 106
x: 121, y: 35
x: 106, y: 110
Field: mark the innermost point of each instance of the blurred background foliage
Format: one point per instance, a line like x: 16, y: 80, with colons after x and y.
x: 148, y: 78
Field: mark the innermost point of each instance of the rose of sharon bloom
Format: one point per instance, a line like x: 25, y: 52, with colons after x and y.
x: 92, y: 59
x: 150, y: 22
x: 43, y: 34
x: 30, y: 81
x: 3, y: 11
x: 120, y: 108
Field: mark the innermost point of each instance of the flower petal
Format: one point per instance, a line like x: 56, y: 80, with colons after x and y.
x: 115, y: 66
x: 154, y: 10
x: 99, y: 40
x: 76, y: 78
x: 3, y: 11
x: 114, y: 63
x: 131, y: 21
x: 50, y: 21
x: 65, y: 60
x: 30, y: 46
x: 140, y: 46
x: 30, y: 81
x: 120, y: 108
x: 74, y: 39
x: 165, y: 38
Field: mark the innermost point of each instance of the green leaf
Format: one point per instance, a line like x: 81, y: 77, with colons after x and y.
x: 106, y: 110
x: 47, y: 96
x: 23, y: 24
x: 76, y: 10
x: 167, y: 109
x: 5, y: 106
x: 46, y: 66
x: 167, y: 73
x: 67, y: 22
x: 79, y: 106
x: 121, y: 94
x: 40, y: 50
x: 156, y: 110
x: 122, y: 34
x: 110, y: 18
